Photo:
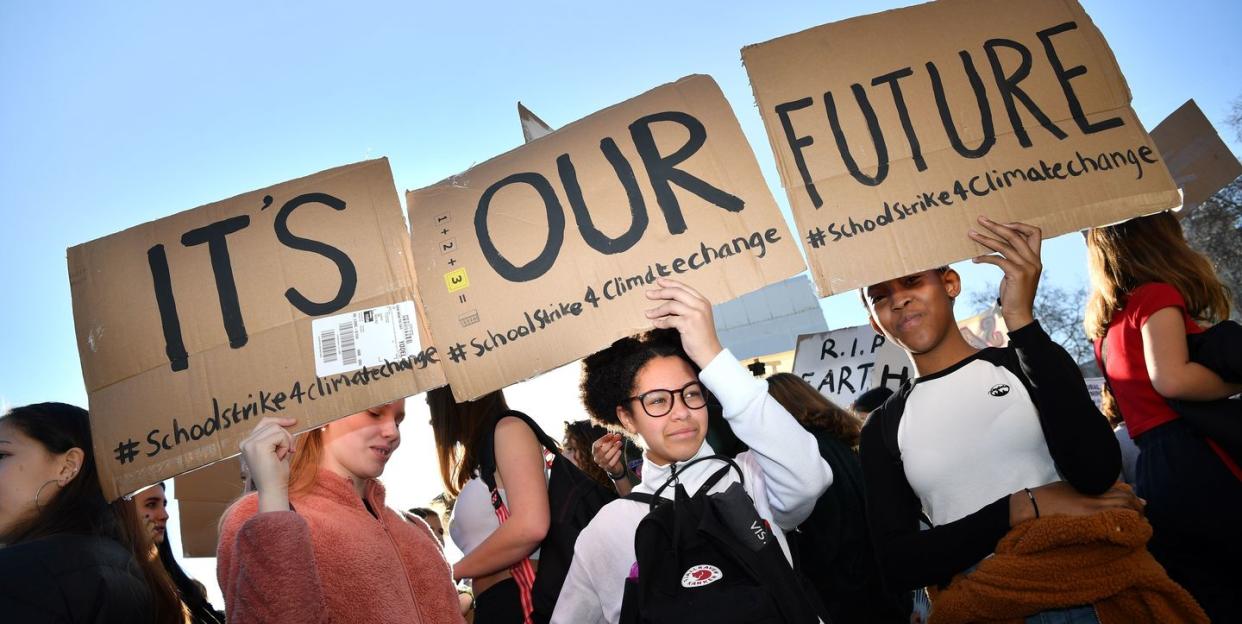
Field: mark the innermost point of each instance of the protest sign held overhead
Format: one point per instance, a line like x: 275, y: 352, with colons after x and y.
x: 542, y: 255
x: 1198, y: 159
x: 295, y: 300
x: 844, y: 363
x: 1014, y: 109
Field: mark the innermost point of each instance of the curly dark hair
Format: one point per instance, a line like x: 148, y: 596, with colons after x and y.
x: 608, y: 376
x: 580, y: 435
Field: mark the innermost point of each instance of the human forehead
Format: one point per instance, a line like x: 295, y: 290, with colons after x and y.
x: 897, y: 281
x: 396, y: 407
x: 154, y: 492
x: 12, y: 437
x: 667, y: 372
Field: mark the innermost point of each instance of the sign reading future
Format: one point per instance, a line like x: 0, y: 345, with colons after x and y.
x: 893, y: 132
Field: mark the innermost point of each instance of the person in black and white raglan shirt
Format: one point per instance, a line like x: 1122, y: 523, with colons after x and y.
x: 981, y: 437
x: 784, y: 473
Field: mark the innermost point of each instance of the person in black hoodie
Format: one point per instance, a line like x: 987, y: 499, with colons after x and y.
x: 832, y: 547
x: 67, y: 555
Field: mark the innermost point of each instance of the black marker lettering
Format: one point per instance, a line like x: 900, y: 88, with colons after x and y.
x: 625, y: 174
x: 349, y: 275
x: 1009, y: 89
x: 218, y: 248
x: 1065, y: 75
x: 981, y: 100
x: 174, y: 347
x: 877, y: 137
x: 556, y: 229
x: 662, y: 171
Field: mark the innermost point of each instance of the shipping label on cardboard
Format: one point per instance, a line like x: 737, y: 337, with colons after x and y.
x: 844, y: 363
x: 347, y: 342
x: 892, y: 132
x: 542, y: 255
x: 193, y: 327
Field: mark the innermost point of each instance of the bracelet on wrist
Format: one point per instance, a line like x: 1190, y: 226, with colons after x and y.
x: 617, y: 477
x: 1035, y: 505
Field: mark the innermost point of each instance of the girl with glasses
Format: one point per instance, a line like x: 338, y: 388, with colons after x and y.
x: 655, y: 387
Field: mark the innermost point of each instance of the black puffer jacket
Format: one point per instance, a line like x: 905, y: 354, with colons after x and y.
x: 73, y: 579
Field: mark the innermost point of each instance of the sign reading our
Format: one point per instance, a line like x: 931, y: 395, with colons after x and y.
x: 295, y: 300
x: 1011, y: 108
x: 844, y: 363
x: 542, y: 255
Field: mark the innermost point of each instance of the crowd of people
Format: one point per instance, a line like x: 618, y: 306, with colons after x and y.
x: 989, y: 486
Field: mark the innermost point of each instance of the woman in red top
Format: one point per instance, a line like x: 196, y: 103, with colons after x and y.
x: 1151, y: 291
x: 316, y: 544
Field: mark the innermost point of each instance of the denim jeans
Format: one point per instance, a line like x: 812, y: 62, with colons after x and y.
x: 1072, y: 615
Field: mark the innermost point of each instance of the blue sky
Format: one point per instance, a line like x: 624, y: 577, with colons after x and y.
x: 119, y: 113
x: 114, y: 114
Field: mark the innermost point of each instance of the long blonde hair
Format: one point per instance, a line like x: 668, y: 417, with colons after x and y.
x: 1148, y: 249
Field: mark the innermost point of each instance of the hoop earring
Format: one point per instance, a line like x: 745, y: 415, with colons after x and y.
x: 40, y: 493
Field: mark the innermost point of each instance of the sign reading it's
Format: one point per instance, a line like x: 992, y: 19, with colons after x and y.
x: 542, y: 255
x: 295, y: 300
x: 893, y: 132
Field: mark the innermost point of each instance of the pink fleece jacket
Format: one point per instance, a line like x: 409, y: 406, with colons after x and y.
x: 331, y: 561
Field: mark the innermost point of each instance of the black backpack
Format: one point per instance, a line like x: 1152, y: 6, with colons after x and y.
x: 712, y: 558
x: 573, y: 500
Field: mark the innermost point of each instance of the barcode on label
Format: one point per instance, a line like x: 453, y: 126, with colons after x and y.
x: 349, y: 353
x: 327, y: 346
x: 407, y: 327
x: 347, y: 342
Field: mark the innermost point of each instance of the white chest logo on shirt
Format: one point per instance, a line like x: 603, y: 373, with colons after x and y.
x: 701, y: 575
x: 999, y: 390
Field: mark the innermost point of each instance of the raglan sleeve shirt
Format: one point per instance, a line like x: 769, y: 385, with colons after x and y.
x: 1079, y: 440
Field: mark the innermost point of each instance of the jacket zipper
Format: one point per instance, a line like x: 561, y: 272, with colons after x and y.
x: 409, y: 585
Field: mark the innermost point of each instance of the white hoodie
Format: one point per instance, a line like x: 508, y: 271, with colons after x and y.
x: 784, y: 475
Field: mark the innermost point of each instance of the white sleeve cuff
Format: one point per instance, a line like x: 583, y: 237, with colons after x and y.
x: 731, y: 382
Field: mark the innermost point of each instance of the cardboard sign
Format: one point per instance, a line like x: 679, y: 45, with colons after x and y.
x: 1198, y: 159
x: 986, y: 329
x: 202, y: 497
x: 532, y: 126
x: 295, y: 300
x: 893, y: 132
x: 542, y: 255
x: 844, y: 363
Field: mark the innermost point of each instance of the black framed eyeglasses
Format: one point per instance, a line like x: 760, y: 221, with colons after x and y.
x: 659, y: 402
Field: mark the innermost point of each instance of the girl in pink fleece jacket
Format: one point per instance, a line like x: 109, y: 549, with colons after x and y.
x: 315, y: 543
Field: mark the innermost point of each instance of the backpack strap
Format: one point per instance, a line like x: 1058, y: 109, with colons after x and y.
x: 639, y: 497
x: 710, y: 482
x: 654, y: 500
x: 487, y: 446
x: 523, y: 571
